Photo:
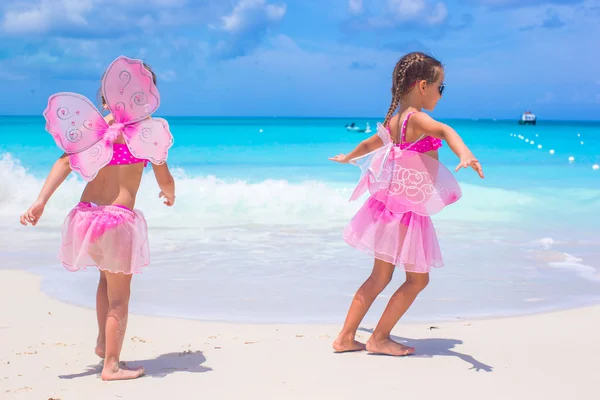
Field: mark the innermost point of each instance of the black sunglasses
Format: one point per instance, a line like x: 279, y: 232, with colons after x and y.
x: 442, y: 87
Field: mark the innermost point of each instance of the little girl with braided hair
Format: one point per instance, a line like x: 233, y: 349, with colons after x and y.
x: 407, y: 184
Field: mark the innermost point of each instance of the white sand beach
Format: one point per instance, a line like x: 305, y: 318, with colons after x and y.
x: 47, y: 352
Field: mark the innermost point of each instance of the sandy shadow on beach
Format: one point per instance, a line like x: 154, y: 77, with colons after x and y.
x: 428, y: 348
x: 159, y: 367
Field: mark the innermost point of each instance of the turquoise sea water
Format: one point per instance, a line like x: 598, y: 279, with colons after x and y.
x: 256, y: 231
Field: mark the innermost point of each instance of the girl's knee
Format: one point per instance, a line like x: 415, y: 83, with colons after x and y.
x: 382, y: 274
x: 118, y: 306
x: 118, y: 298
x: 119, y: 285
x: 379, y: 282
x: 417, y: 281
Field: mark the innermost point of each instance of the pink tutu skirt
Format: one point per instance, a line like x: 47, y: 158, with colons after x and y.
x: 406, y: 239
x: 112, y: 238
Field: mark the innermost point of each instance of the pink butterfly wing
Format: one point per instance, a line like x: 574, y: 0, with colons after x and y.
x: 91, y: 160
x: 74, y: 122
x: 129, y: 91
x: 150, y: 139
x: 416, y: 182
x: 373, y: 170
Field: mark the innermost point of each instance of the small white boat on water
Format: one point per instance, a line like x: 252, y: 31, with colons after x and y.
x: 353, y: 128
x: 528, y: 118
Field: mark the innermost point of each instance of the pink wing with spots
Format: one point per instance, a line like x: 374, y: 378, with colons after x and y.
x: 129, y: 91
x: 74, y: 122
x: 132, y: 97
x: 150, y: 139
x: 92, y: 159
x: 78, y: 129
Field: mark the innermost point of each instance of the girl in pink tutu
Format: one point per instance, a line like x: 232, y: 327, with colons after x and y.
x: 110, y: 153
x: 407, y: 184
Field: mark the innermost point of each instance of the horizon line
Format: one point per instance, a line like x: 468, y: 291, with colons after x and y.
x: 332, y: 117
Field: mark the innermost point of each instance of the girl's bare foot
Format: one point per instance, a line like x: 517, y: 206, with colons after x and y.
x: 388, y: 347
x: 118, y: 372
x: 344, y: 344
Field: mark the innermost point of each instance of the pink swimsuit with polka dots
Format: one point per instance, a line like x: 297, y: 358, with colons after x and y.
x: 122, y: 156
x: 421, y: 145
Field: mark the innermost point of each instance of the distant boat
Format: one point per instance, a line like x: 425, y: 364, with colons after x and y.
x: 353, y: 128
x: 528, y: 118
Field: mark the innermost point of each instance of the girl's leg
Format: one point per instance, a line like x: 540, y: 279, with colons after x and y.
x: 364, y: 297
x: 118, y: 289
x: 380, y: 341
x: 101, y: 312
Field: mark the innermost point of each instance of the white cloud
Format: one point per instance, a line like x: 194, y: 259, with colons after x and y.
x: 407, y: 9
x: 418, y: 10
x: 146, y: 3
x: 168, y: 76
x: 43, y: 16
x: 248, y: 13
x: 439, y: 14
x: 522, y: 4
x: 355, y: 7
x: 245, y: 27
x: 77, y: 18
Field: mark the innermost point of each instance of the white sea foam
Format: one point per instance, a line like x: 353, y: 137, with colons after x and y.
x: 569, y: 262
x: 210, y: 202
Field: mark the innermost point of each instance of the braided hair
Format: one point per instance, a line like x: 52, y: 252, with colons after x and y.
x: 411, y: 68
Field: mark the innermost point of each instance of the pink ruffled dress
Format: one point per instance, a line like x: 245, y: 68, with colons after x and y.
x: 111, y: 237
x: 406, y: 186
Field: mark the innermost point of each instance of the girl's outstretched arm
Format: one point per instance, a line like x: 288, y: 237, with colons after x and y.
x: 425, y: 124
x: 59, y: 172
x: 364, y: 147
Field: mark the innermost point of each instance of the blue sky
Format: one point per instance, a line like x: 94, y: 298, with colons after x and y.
x: 308, y: 57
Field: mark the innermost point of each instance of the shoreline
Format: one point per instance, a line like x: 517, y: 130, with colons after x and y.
x: 513, y: 119
x: 223, y: 317
x: 411, y: 320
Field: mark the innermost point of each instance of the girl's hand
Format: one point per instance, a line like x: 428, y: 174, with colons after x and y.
x: 341, y: 158
x: 34, y: 213
x: 470, y: 161
x: 169, y: 199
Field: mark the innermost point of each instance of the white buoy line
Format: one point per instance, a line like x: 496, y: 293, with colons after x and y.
x: 571, y: 159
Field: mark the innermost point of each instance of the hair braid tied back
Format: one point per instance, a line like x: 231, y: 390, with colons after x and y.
x: 411, y: 68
